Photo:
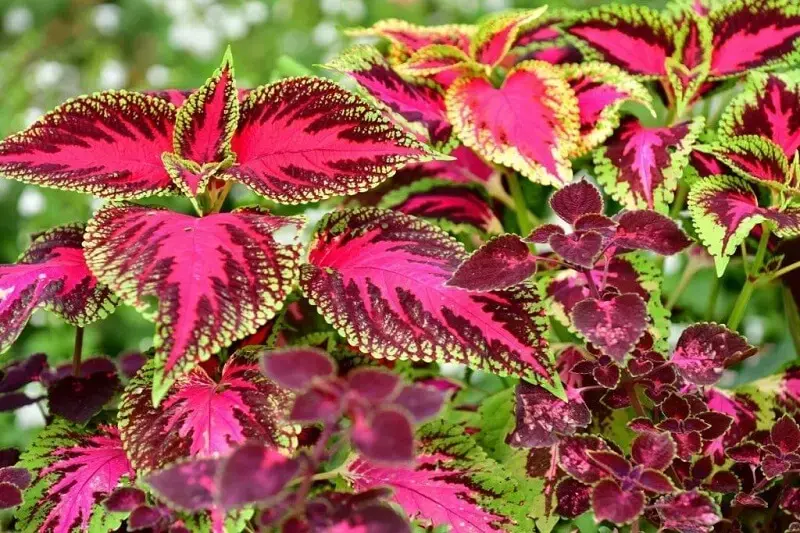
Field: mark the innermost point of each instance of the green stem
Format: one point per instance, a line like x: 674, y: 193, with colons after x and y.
x: 778, y: 273
x: 520, y: 208
x: 740, y: 306
x: 683, y: 284
x: 712, y: 300
x: 680, y: 199
x: 792, y: 317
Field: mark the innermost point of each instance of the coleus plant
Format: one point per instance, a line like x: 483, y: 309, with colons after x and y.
x: 449, y: 347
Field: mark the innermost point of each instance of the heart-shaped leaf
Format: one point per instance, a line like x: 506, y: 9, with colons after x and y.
x: 501, y: 263
x: 51, y: 273
x: 202, y: 416
x: 216, y: 278
x: 705, y: 350
x: 581, y: 249
x: 542, y: 418
x: 529, y: 124
x: 613, y: 325
x: 610, y: 502
x: 575, y: 200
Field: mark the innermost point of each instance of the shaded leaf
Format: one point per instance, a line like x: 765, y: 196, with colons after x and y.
x: 613, y: 325
x: 542, y: 418
x: 501, y: 263
x: 705, y: 350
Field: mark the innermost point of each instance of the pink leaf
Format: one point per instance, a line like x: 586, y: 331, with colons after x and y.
x: 306, y: 139
x: 52, y: 274
x: 202, y: 416
x: 497, y: 33
x: 614, y: 325
x: 612, y: 503
x: 407, y: 38
x: 530, y: 123
x: 705, y: 350
x: 216, y: 279
x: 501, y: 263
x: 379, y: 277
x: 254, y: 473
x: 107, y: 144
x: 295, y: 368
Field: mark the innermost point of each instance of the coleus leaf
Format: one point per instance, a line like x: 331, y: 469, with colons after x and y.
x: 438, y: 63
x: 635, y: 38
x: 306, y: 139
x: 756, y: 159
x: 640, y: 167
x: 466, y: 167
x: 648, y: 230
x: 455, y: 208
x: 203, y: 415
x: 705, y: 350
x: 754, y: 34
x: 453, y: 484
x: 254, y: 473
x: 725, y: 209
x: 189, y: 485
x: 601, y: 89
x: 74, y: 471
x: 611, y: 502
x: 542, y: 418
x: 501, y: 263
x: 107, y: 144
x: 688, y: 68
x: 406, y: 38
x: 51, y: 273
x: 529, y: 124
x: 575, y: 200
x: 497, y: 33
x: 688, y: 512
x: 422, y: 103
x: 613, y: 325
x: 79, y: 398
x: 217, y: 278
x: 379, y: 277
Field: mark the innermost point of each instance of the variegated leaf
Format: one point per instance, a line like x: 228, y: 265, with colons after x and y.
x: 406, y: 38
x: 107, y: 144
x: 530, y: 123
x: 51, y: 273
x: 497, y: 33
x: 380, y: 278
x: 757, y: 159
x: 206, y: 281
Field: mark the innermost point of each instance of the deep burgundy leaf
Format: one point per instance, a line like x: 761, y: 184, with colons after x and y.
x: 573, y: 457
x: 654, y: 481
x: 688, y: 512
x: 612, y: 503
x: 254, y: 473
x: 188, y: 486
x: 203, y: 416
x: 575, y: 200
x: 130, y: 364
x: 14, y: 400
x: 542, y: 418
x: 542, y: 234
x: 19, y: 477
x: 503, y: 262
x: 385, y: 437
x: 51, y: 273
x: 8, y: 457
x: 574, y: 498
x: 145, y: 517
x: 705, y: 350
x: 17, y: 375
x: 216, y: 279
x: 296, y: 368
x: 125, y: 499
x: 653, y: 450
x: 613, y: 325
x: 374, y: 385
x: 648, y: 230
x: 611, y: 462
x: 10, y: 496
x: 78, y: 399
x: 317, y: 406
x: 785, y: 434
x: 581, y: 249
x: 421, y: 401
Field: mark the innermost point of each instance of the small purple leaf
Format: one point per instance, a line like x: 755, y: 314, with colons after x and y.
x: 422, y: 402
x: 613, y: 325
x: 542, y: 234
x: 188, y: 486
x: 705, y: 350
x: 10, y: 496
x: 19, y: 477
x: 612, y: 503
x: 146, y: 517
x: 653, y: 450
x: 372, y: 384
x: 129, y: 364
x: 573, y: 457
x: 648, y: 230
x: 315, y: 405
x: 582, y: 249
x: 386, y: 437
x: 254, y: 474
x: 542, y: 418
x: 78, y: 399
x: 9, y: 457
x: 576, y: 199
x: 125, y: 499
x: 18, y: 375
x: 654, y: 481
x: 500, y: 263
x: 15, y: 400
x: 295, y: 368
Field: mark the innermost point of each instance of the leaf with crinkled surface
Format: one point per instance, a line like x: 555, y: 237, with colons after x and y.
x: 454, y: 483
x: 415, y: 102
x: 613, y: 325
x: 530, y: 124
x: 379, y: 278
x: 648, y: 230
x: 575, y: 200
x: 688, y: 512
x: 601, y: 89
x: 107, y: 144
x: 74, y: 469
x: 204, y: 415
x: 640, y: 167
x: 541, y: 418
x: 501, y: 263
x: 52, y: 274
x: 217, y: 279
x: 725, y: 210
x: 705, y: 350
x: 754, y: 34
x: 636, y: 38
x: 306, y: 139
x: 497, y: 33
x: 406, y: 38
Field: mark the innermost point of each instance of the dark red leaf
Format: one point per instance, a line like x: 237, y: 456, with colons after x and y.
x: 654, y: 481
x: 10, y: 496
x: 19, y: 477
x: 541, y: 418
x: 574, y: 498
x: 705, y: 350
x: 189, y: 486
x: 503, y: 262
x: 581, y: 249
x: 385, y: 437
x: 78, y: 399
x: 786, y: 435
x: 613, y: 325
x: 653, y: 450
x: 296, y: 368
x: 542, y: 234
x: 575, y: 200
x: 17, y: 375
x: 421, y: 401
x: 374, y: 385
x: 612, y: 503
x: 254, y: 473
x: 688, y: 512
x: 130, y: 364
x: 573, y: 457
x: 125, y: 499
x: 648, y: 230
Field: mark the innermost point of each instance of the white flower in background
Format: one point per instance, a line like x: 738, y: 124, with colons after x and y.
x: 32, y: 114
x: 113, y: 75
x: 325, y: 34
x: 31, y: 202
x: 194, y: 37
x: 47, y: 74
x: 157, y: 76
x: 230, y: 22
x: 106, y: 18
x: 331, y: 7
x: 17, y: 20
x: 255, y: 12
x: 495, y: 5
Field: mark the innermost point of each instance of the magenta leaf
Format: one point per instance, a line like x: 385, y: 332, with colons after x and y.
x: 407, y: 38
x: 653, y: 450
x: 400, y: 266
x: 705, y: 350
x: 640, y: 166
x: 384, y: 437
x: 296, y: 368
x: 688, y: 512
x: 530, y: 123
x: 612, y: 503
x: 648, y: 230
x: 466, y: 168
x: 416, y: 103
x: 613, y: 325
x: 216, y: 278
x: 453, y: 484
x: 17, y: 375
x: 575, y: 200
x: 202, y: 416
x: 635, y: 38
x: 574, y: 498
x: 108, y: 144
x: 581, y: 249
x: 129, y: 364
x: 254, y: 473
x: 125, y: 499
x: 306, y: 139
x: 51, y: 273
x: 542, y: 418
x: 574, y: 459
x: 501, y: 263
x: 75, y: 470
x: 189, y: 485
x: 373, y: 384
x: 421, y: 401
x: 497, y: 33
x: 78, y: 399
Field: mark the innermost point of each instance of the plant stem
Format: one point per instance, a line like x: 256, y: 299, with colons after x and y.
x: 635, y: 403
x: 683, y: 283
x: 778, y: 273
x: 712, y: 300
x: 592, y: 285
x: 77, y: 352
x: 520, y: 208
x: 740, y: 306
x: 313, y: 464
x: 680, y: 199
